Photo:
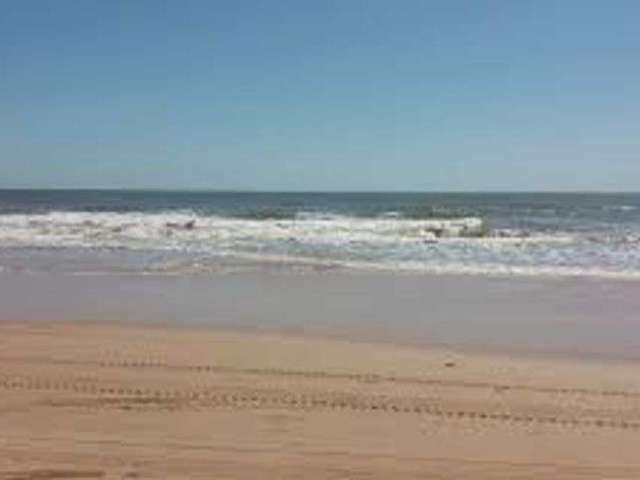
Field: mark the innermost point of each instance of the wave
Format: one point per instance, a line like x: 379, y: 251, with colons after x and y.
x: 250, y: 262
x: 322, y: 240
x: 190, y: 231
x: 268, y: 214
x: 100, y: 228
x: 621, y: 208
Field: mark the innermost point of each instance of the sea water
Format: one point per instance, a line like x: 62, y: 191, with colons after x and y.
x: 174, y: 232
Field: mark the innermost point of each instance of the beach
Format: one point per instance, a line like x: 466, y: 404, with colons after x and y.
x: 580, y: 317
x: 319, y: 240
x: 106, y: 400
x: 318, y: 336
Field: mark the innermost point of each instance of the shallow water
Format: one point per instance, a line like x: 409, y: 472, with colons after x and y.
x: 568, y: 316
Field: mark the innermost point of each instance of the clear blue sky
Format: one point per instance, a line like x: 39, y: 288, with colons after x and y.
x: 321, y: 95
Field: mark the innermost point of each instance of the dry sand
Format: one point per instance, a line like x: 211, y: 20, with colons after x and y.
x: 114, y: 401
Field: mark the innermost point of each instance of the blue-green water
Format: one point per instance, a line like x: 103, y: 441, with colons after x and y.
x: 200, y: 232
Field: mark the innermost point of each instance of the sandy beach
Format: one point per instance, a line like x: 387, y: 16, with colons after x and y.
x: 87, y: 400
x: 327, y: 240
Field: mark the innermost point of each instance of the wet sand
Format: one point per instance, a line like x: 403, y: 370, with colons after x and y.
x: 104, y: 400
x: 565, y: 316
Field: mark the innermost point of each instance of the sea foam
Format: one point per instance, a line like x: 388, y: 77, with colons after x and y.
x: 324, y: 239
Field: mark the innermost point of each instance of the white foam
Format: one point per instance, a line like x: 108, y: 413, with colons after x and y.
x: 462, y: 245
x: 407, y: 267
x: 128, y: 229
x: 622, y: 208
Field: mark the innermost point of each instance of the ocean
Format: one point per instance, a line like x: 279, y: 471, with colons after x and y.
x: 199, y: 233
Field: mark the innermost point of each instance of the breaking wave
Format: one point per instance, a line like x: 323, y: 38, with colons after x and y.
x: 172, y: 229
x: 320, y: 240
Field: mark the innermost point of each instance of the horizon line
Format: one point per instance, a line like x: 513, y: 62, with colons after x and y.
x: 311, y: 191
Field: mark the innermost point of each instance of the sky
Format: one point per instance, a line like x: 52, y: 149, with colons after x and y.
x: 320, y: 95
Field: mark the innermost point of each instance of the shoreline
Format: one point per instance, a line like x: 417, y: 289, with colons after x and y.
x: 149, y: 401
x: 491, y: 355
x: 573, y: 318
x: 587, y: 358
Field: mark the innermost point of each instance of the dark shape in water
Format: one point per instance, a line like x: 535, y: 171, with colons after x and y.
x: 190, y: 225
